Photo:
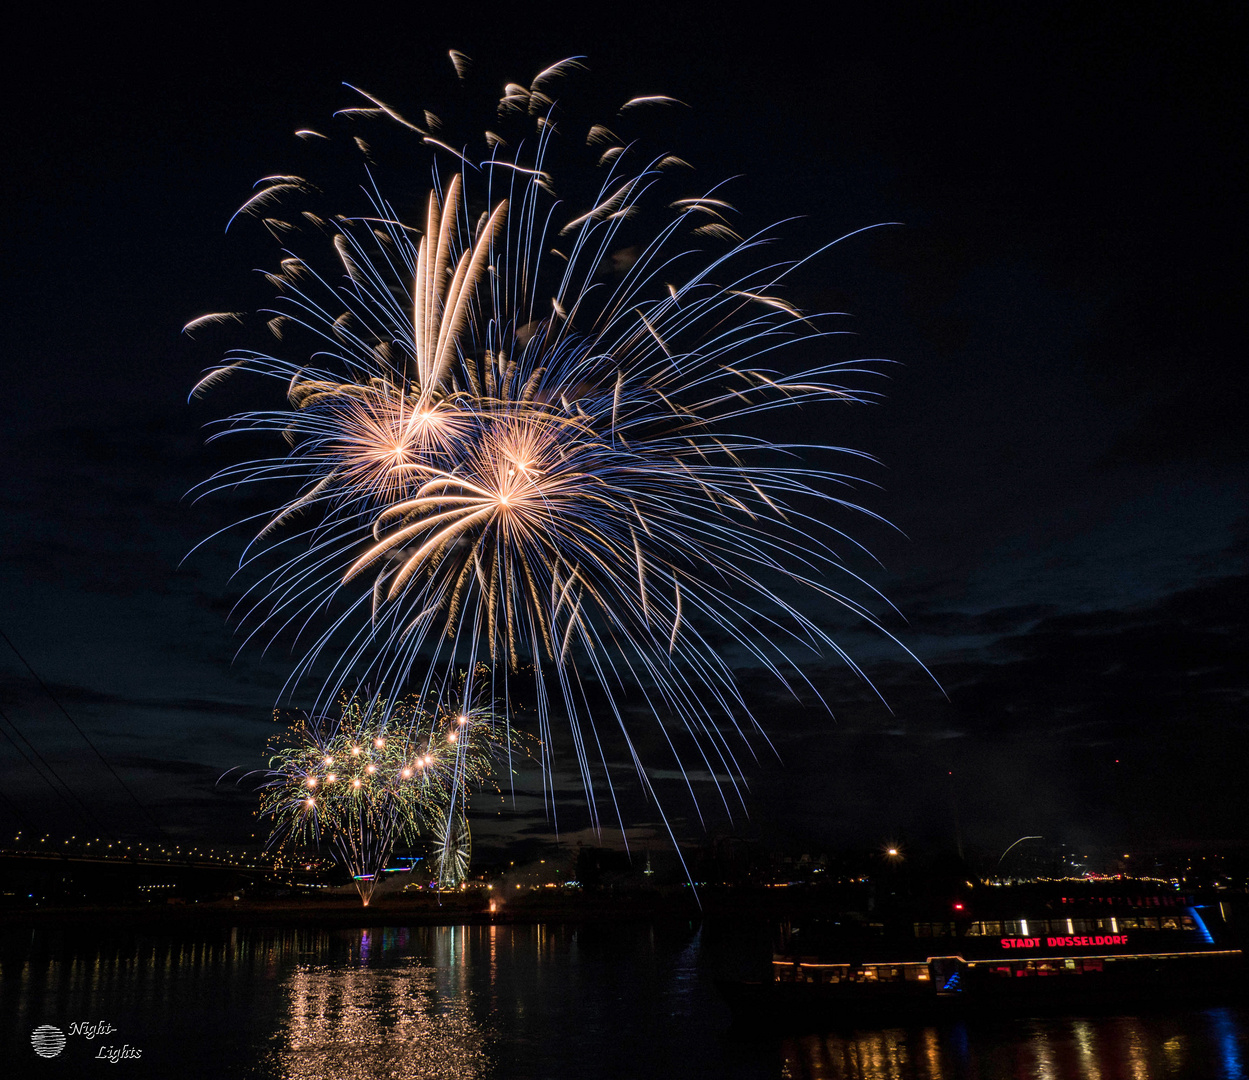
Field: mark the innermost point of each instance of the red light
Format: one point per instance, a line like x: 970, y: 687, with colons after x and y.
x: 958, y: 907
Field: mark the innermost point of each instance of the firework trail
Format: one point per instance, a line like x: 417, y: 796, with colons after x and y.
x: 545, y: 435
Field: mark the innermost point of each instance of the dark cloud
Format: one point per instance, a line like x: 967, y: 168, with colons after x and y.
x: 1091, y: 727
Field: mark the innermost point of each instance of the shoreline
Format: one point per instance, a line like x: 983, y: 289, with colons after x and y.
x: 351, y: 914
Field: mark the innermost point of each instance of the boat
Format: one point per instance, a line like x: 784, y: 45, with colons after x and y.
x: 1043, y: 944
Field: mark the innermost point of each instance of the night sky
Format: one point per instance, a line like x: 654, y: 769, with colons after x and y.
x: 1061, y: 438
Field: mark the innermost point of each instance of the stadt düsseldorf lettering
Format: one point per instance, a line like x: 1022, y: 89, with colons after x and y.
x: 1073, y: 942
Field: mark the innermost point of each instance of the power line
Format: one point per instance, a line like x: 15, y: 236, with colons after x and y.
x: 52, y: 697
x: 81, y: 809
x: 21, y: 818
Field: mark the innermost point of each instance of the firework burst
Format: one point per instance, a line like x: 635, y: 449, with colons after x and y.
x: 378, y: 775
x: 547, y: 437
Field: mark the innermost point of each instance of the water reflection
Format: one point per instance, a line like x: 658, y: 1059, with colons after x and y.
x: 363, y: 1022
x: 300, y: 1004
x: 609, y: 1001
x: 1230, y: 1038
x: 380, y: 1002
x: 1208, y: 1044
x: 1201, y: 1045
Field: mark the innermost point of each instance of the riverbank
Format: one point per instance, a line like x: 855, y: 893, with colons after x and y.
x: 405, y: 909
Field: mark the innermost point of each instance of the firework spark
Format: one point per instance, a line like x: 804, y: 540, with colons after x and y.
x: 548, y: 437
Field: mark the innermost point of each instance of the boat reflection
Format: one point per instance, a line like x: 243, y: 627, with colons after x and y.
x: 890, y: 1054
x: 1061, y: 1048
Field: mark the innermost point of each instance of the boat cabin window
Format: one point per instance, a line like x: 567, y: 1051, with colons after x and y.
x: 1059, y: 927
x: 809, y: 972
x: 1031, y: 927
x: 895, y: 973
x: 1030, y: 969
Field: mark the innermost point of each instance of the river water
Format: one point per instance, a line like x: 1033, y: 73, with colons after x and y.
x: 588, y: 1002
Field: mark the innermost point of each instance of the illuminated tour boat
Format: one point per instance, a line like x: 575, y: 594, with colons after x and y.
x: 1030, y: 944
